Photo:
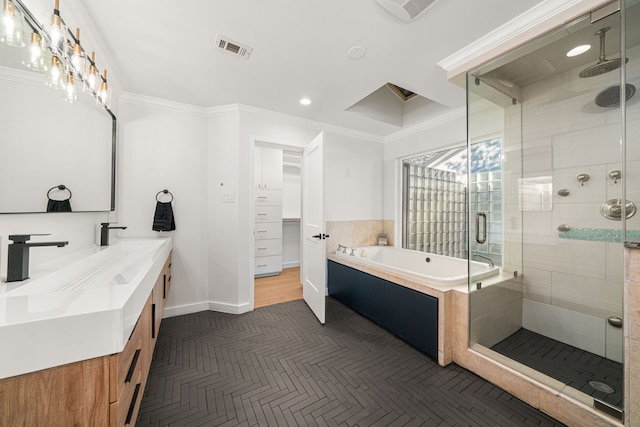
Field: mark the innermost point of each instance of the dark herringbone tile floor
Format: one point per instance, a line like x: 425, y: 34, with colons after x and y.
x: 277, y: 366
x: 565, y: 363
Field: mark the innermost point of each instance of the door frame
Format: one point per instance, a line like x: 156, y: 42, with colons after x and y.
x: 269, y: 143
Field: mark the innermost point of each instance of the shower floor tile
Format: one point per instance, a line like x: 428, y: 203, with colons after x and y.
x: 566, y: 363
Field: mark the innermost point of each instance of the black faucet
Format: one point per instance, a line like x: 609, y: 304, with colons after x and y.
x: 18, y: 255
x: 104, y: 233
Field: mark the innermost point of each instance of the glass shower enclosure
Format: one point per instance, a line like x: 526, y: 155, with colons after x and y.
x: 567, y: 125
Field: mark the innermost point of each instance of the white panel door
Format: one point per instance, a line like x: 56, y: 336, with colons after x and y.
x: 313, y: 239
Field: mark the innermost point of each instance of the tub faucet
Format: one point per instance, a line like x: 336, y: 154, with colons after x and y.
x: 18, y: 255
x: 489, y: 260
x: 104, y: 233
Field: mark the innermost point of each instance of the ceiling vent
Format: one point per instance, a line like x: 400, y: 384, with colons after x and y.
x: 233, y: 47
x: 407, y: 10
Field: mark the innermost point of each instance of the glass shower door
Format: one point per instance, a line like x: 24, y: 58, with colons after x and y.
x: 562, y: 205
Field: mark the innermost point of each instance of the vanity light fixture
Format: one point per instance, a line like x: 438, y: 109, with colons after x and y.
x: 305, y: 101
x: 578, y: 50
x: 56, y: 51
x: 36, y: 56
x: 11, y: 25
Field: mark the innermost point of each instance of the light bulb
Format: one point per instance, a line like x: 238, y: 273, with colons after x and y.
x: 104, y: 94
x: 70, y: 92
x: 11, y: 27
x: 92, y: 77
x: 57, y: 32
x: 77, y: 56
x: 55, y: 74
x: 36, y: 54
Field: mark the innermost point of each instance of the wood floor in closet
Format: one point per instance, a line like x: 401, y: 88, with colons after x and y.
x: 276, y: 289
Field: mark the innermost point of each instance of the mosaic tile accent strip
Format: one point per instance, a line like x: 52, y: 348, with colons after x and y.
x: 599, y: 235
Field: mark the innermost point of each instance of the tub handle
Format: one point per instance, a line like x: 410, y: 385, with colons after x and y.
x: 484, y: 227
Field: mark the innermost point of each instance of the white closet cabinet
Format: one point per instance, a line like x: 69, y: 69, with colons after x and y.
x: 268, y: 208
x: 268, y: 168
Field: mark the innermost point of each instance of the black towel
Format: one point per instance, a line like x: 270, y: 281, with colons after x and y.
x: 58, y: 205
x: 163, y: 219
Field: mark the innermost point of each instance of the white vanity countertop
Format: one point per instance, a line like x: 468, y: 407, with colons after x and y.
x: 84, y: 309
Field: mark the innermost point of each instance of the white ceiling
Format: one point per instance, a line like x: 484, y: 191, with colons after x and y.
x: 165, y: 49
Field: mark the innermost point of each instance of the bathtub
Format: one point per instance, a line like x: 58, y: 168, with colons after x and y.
x: 437, y: 270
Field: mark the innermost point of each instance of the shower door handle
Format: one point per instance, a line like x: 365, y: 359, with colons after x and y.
x: 484, y: 227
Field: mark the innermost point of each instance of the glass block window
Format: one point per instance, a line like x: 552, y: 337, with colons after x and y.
x: 434, y: 203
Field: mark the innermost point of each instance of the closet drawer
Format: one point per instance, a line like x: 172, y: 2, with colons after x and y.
x: 269, y: 197
x: 268, y: 247
x: 268, y: 230
x: 268, y: 265
x: 269, y: 214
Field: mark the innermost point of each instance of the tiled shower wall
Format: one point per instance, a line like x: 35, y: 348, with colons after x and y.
x: 358, y: 233
x: 572, y: 286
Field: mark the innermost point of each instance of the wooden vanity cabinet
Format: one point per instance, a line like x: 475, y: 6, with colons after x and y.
x: 104, y: 391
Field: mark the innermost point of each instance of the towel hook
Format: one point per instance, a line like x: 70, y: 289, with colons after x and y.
x: 60, y: 187
x: 165, y: 191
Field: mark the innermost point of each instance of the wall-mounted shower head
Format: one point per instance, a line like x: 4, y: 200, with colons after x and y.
x: 604, y: 65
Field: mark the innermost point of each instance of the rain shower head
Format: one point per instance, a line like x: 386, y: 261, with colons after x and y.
x: 604, y: 65
x: 610, y: 97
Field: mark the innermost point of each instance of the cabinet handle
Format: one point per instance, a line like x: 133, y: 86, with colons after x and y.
x: 261, y: 231
x: 132, y: 405
x: 262, y: 265
x: 132, y: 368
x: 262, y: 197
x: 262, y: 249
x: 262, y: 214
x: 153, y: 321
x: 164, y: 286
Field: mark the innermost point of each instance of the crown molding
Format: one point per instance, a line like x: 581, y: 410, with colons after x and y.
x: 536, y: 21
x: 150, y: 101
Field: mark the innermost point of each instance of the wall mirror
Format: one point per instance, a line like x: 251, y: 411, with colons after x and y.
x: 46, y: 143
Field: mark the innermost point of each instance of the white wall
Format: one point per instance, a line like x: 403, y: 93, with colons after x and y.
x: 353, y: 178
x: 164, y: 146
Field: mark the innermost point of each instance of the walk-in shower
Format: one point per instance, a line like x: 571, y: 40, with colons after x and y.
x: 570, y: 181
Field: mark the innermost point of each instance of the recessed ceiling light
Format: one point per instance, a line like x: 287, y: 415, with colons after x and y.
x: 305, y: 101
x: 578, y: 50
x: 356, y: 52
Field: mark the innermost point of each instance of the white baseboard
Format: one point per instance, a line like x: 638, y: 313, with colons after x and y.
x: 291, y: 264
x: 223, y: 307
x: 205, y: 306
x: 185, y: 309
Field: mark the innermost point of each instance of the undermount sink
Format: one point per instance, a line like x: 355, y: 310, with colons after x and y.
x: 96, y: 267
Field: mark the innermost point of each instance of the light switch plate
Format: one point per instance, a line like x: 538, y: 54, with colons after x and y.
x: 228, y: 196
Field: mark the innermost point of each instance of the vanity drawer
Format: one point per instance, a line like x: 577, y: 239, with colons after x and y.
x: 268, y: 265
x: 268, y: 197
x: 268, y: 213
x: 125, y: 410
x: 123, y: 365
x: 268, y: 230
x: 268, y: 247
